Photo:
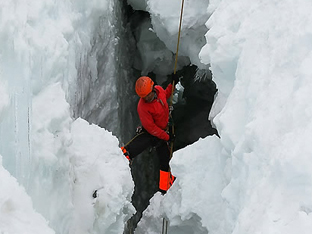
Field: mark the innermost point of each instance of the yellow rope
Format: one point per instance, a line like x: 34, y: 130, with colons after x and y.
x: 175, y: 69
x: 165, y: 222
x: 180, y: 26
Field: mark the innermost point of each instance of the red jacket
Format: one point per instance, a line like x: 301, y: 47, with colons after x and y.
x: 154, y: 115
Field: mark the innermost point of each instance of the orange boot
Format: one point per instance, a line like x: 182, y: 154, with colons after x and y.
x: 166, y: 179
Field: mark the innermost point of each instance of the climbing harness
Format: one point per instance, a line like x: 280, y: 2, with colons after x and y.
x: 165, y: 221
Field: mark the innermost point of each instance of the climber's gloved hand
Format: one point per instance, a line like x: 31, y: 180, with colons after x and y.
x: 174, y: 78
x: 138, y: 130
x: 171, y: 138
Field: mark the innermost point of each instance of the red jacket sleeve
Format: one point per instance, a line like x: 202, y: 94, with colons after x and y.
x: 149, y: 125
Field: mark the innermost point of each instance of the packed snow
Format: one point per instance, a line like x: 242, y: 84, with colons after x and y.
x: 254, y: 178
x: 17, y: 214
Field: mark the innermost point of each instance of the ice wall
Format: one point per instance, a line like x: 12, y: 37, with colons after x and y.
x: 138, y: 4
x: 267, y: 99
x: 105, y: 78
x: 40, y: 46
x: 43, y: 46
x: 165, y: 16
x: 152, y: 55
x: 165, y: 19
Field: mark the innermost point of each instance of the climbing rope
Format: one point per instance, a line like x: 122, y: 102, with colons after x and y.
x: 175, y: 70
x: 177, y: 51
x: 165, y: 221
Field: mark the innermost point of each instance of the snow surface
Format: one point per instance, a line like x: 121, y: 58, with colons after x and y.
x: 17, y: 214
x: 255, y: 178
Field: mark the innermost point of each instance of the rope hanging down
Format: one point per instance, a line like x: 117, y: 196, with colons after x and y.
x: 175, y: 69
x: 165, y: 221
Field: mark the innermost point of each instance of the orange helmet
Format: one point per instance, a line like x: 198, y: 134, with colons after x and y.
x: 143, y: 86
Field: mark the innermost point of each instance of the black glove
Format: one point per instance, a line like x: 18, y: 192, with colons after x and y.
x: 171, y: 138
x: 175, y: 78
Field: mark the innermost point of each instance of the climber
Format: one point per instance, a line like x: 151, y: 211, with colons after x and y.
x: 153, y: 111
